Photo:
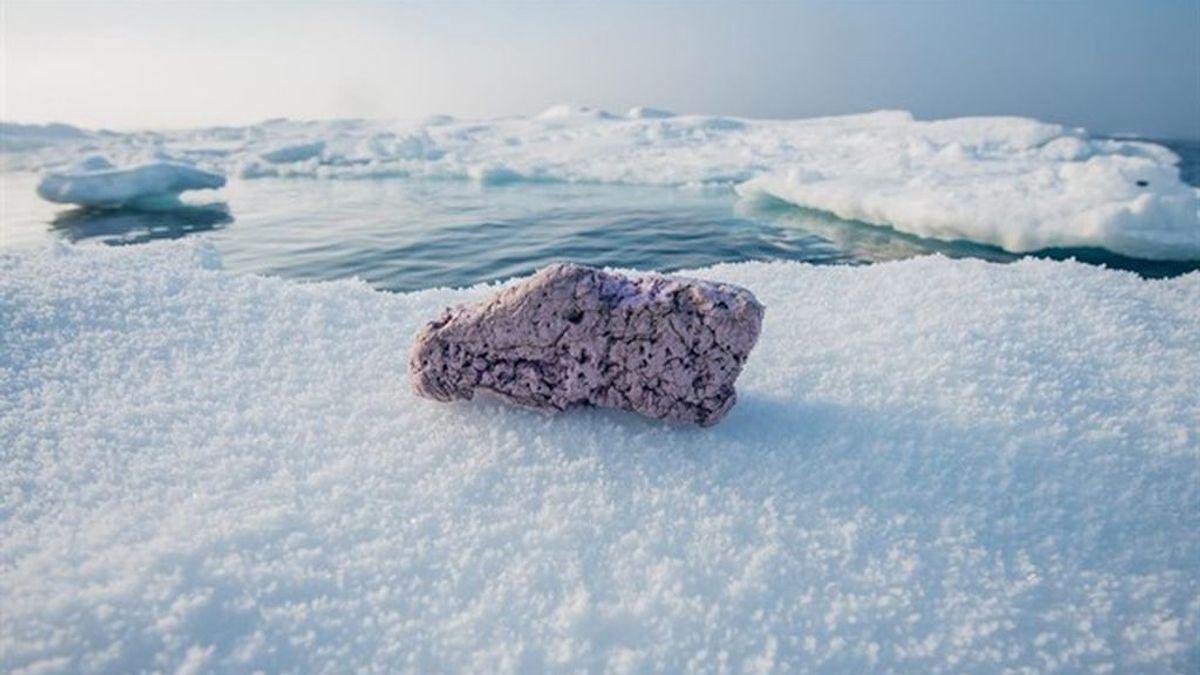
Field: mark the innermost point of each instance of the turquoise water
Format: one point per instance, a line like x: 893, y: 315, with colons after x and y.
x: 404, y: 235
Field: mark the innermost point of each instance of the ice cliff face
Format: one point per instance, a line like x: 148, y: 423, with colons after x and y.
x: 1015, y: 183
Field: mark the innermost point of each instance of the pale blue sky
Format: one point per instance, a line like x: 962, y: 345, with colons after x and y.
x: 1127, y: 66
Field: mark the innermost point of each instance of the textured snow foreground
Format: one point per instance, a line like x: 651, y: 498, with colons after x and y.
x: 1015, y: 183
x: 936, y: 466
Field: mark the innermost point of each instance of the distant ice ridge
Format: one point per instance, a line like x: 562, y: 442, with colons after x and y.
x: 1015, y: 183
x: 95, y: 182
x: 935, y: 466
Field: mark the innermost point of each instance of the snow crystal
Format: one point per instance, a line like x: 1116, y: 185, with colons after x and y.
x: 1015, y: 183
x: 936, y: 466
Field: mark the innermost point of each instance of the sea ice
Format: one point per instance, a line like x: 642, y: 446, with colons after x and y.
x: 1014, y: 183
x: 934, y: 466
x: 96, y: 182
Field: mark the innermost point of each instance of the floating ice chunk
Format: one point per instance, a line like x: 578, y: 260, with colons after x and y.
x: 294, y: 153
x: 96, y: 182
x: 644, y: 113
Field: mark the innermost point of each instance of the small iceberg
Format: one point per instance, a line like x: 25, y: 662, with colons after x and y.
x: 96, y: 183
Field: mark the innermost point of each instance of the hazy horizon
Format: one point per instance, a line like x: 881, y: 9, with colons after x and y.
x: 1112, y: 67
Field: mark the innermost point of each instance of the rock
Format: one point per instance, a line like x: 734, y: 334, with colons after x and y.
x: 665, y: 347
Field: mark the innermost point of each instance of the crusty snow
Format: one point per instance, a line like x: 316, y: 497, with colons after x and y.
x: 935, y: 466
x: 1015, y: 183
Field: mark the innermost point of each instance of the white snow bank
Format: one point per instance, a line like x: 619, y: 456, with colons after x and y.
x: 1015, y: 183
x: 96, y: 182
x: 935, y: 466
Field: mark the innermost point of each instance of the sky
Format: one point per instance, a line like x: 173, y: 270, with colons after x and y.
x: 1110, y: 66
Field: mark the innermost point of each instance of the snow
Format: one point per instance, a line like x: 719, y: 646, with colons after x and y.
x: 95, y: 182
x: 1014, y: 183
x: 934, y: 466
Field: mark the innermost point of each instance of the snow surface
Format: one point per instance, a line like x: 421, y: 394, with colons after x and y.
x: 94, y: 181
x: 1015, y: 183
x: 935, y: 466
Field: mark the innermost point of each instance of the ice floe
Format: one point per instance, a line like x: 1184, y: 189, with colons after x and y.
x: 936, y: 466
x: 1014, y: 183
x: 95, y: 182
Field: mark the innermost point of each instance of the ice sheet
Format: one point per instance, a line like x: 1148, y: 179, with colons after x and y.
x: 935, y: 466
